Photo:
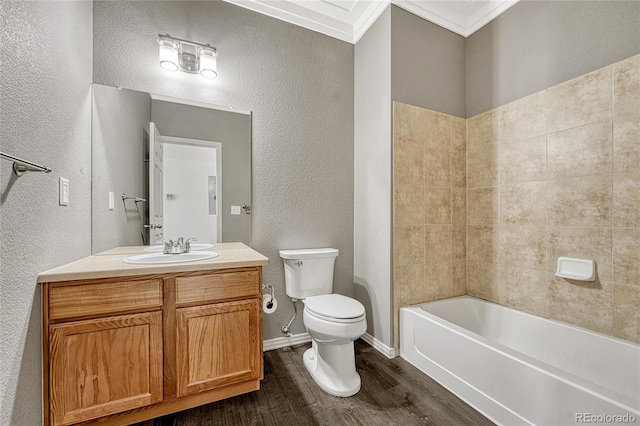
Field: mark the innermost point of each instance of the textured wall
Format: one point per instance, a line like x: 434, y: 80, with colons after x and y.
x: 556, y: 174
x: 538, y: 44
x: 429, y: 206
x: 120, y: 124
x: 372, y: 206
x: 45, y: 117
x: 427, y: 64
x: 299, y: 85
x: 233, y: 130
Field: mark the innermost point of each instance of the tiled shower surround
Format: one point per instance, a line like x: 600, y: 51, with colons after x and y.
x: 429, y: 220
x: 556, y: 173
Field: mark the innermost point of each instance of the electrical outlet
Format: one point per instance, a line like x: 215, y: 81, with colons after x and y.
x: 112, y: 201
x: 64, y: 192
x: 235, y: 210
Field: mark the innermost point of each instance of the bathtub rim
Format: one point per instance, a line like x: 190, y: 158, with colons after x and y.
x: 528, y: 314
x: 615, y: 398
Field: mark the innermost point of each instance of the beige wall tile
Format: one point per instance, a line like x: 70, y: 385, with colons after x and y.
x: 408, y: 205
x: 523, y: 161
x: 563, y: 183
x: 580, y: 101
x: 458, y: 134
x: 407, y: 124
x: 523, y: 204
x: 482, y: 206
x: 408, y: 144
x: 524, y: 118
x: 626, y: 143
x: 437, y: 259
x: 626, y: 199
x: 483, y: 244
x: 626, y: 312
x: 437, y: 277
x: 437, y: 243
x: 581, y: 243
x: 408, y: 245
x: 458, y: 242
x: 437, y: 168
x: 585, y: 304
x: 458, y: 207
x: 437, y: 205
x: 523, y: 247
x: 626, y: 92
x: 482, y: 131
x: 458, y: 170
x: 483, y: 280
x: 582, y: 201
x: 409, y: 285
x: 483, y: 168
x: 626, y: 256
x: 408, y: 166
x: 524, y: 289
x: 438, y: 130
x: 580, y: 151
x: 459, y: 278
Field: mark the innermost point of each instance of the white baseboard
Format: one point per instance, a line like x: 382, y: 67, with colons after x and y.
x: 281, y: 342
x: 376, y: 344
x: 299, y: 339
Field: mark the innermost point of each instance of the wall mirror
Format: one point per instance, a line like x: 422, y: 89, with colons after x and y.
x: 164, y: 168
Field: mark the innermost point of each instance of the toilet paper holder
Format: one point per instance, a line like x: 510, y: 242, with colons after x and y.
x: 270, y: 302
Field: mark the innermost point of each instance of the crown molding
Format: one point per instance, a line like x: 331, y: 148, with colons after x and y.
x: 348, y: 20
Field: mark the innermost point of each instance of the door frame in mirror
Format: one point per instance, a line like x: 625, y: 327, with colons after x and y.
x: 218, y: 147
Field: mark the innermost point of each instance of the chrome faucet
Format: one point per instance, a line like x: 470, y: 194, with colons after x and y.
x: 187, y: 244
x: 177, y: 247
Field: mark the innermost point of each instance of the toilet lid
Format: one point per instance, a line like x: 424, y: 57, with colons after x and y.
x: 334, y: 306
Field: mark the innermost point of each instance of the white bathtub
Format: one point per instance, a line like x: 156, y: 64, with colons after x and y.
x: 517, y: 368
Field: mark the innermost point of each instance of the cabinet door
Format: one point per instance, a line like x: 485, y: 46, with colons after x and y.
x: 104, y: 366
x: 217, y: 345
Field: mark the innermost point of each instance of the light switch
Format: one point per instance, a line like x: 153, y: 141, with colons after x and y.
x: 64, y: 192
x: 111, y: 201
x: 235, y: 209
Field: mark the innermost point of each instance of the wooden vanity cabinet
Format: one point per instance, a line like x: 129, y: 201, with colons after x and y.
x: 120, y: 351
x: 216, y: 345
x: 104, y: 366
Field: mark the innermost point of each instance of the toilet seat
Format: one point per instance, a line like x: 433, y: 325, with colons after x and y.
x: 335, y: 308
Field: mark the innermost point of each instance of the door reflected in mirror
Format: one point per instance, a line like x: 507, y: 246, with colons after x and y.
x: 185, y: 168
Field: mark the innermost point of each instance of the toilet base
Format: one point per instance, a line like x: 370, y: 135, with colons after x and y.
x: 333, y: 368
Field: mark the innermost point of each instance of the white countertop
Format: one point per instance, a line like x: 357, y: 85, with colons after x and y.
x: 109, y: 264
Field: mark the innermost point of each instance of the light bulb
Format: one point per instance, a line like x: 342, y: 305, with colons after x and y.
x: 208, y: 62
x: 168, y: 54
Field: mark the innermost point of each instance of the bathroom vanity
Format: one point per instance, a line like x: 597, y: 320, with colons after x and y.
x: 125, y: 343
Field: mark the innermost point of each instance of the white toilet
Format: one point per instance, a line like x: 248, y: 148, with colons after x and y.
x: 333, y: 321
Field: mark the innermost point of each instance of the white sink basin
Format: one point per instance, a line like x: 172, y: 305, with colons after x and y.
x: 161, y: 259
x: 194, y: 246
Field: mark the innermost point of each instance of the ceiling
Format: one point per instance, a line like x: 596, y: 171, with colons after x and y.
x: 348, y: 20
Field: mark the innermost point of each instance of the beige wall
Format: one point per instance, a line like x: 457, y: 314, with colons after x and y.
x: 556, y: 174
x: 429, y: 220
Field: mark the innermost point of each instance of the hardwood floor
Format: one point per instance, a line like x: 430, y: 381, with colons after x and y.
x: 393, y: 393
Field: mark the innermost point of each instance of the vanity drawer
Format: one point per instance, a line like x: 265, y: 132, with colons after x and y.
x: 223, y: 286
x: 98, y: 299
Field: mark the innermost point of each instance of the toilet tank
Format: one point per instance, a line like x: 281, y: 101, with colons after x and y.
x: 308, y: 272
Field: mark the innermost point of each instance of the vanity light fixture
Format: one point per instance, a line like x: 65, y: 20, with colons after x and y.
x: 176, y: 54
